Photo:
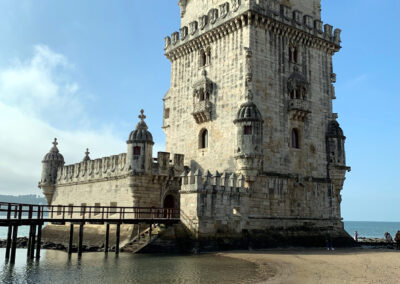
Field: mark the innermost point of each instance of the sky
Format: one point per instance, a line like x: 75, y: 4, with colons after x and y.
x: 82, y: 70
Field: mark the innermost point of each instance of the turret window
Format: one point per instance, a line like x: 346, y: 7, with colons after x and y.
x: 136, y: 151
x: 248, y: 130
x: 203, y: 139
x: 295, y: 138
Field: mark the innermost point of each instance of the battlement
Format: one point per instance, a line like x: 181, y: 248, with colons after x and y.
x: 237, y: 14
x: 113, y: 167
x: 194, y: 181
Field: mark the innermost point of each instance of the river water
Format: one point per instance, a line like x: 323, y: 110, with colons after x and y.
x: 56, y: 267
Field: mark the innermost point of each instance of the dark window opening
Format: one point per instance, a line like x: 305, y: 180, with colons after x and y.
x: 136, y: 151
x: 166, y: 113
x: 203, y: 58
x: 204, y: 139
x: 248, y: 130
x: 295, y: 138
x: 201, y: 96
x: 293, y: 54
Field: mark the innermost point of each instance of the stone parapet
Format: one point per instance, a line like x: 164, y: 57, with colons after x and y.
x: 223, y: 20
x: 194, y: 181
x: 114, y: 167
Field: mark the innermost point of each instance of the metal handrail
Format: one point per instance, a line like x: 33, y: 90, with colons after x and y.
x: 17, y: 211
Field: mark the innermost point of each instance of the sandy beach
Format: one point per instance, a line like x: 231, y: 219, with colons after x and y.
x: 321, y: 266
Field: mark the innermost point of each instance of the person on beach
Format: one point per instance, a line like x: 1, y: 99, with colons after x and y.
x: 397, y: 239
x: 388, y: 237
x: 329, y: 245
x: 356, y: 236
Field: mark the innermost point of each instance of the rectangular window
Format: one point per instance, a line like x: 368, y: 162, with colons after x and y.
x: 59, y: 209
x: 113, y: 208
x: 96, y: 208
x: 166, y: 113
x: 70, y: 208
x: 248, y: 130
x: 136, y: 151
x: 83, y: 208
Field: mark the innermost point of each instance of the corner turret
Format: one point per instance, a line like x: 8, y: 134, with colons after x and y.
x: 50, y: 164
x: 248, y: 153
x: 140, y: 148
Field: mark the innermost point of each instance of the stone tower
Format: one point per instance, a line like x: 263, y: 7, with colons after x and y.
x: 251, y: 95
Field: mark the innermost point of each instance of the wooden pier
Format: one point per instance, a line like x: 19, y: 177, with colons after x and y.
x: 14, y: 215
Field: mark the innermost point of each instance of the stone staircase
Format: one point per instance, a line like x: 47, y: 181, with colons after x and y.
x: 143, y: 239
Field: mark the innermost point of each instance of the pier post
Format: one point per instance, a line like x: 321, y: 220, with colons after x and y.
x: 71, y: 238
x: 39, y: 241
x: 117, y: 239
x: 107, y: 238
x: 151, y: 225
x: 14, y: 244
x: 8, y: 247
x: 32, y: 250
x: 80, y: 239
x: 28, y: 250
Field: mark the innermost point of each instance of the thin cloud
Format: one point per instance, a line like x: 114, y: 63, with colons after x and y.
x: 36, y: 97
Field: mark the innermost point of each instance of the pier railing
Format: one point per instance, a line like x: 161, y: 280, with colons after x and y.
x: 22, y: 213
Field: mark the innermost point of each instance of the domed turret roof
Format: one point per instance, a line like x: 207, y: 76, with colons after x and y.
x: 54, y: 154
x: 334, y: 130
x: 140, y: 134
x: 248, y: 112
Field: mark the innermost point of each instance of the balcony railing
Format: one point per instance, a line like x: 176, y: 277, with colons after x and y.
x: 202, y: 111
x: 299, y: 108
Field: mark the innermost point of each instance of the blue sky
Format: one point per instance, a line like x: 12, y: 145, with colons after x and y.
x: 82, y: 70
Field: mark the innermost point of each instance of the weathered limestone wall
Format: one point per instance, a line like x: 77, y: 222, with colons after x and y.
x: 226, y: 71
x: 271, y: 60
x: 103, y: 192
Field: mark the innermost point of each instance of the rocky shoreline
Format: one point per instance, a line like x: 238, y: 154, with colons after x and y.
x: 22, y: 242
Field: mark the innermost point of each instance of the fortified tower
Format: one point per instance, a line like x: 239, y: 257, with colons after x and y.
x: 251, y: 95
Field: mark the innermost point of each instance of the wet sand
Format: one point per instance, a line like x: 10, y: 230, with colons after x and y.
x: 321, y: 266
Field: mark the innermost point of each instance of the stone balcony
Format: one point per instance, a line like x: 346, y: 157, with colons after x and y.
x: 299, y: 108
x: 202, y: 111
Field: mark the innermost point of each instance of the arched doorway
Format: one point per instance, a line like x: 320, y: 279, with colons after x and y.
x: 169, y: 201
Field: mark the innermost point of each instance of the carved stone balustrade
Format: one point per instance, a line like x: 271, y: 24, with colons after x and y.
x: 299, y: 109
x: 202, y: 111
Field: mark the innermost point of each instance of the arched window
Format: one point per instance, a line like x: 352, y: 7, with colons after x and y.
x: 203, y: 139
x: 295, y: 138
x: 208, y: 55
x: 203, y: 58
x: 293, y: 54
x: 136, y: 151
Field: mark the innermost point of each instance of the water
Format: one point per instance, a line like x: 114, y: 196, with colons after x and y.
x: 371, y: 229
x: 55, y: 267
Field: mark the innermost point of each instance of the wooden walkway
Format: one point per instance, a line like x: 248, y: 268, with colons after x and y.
x: 13, y: 215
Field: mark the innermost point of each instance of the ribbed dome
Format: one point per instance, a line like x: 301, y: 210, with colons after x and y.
x: 248, y: 112
x: 54, y: 154
x: 140, y: 134
x: 334, y: 130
